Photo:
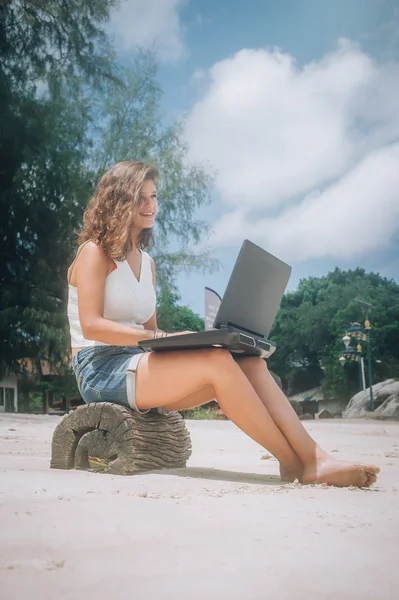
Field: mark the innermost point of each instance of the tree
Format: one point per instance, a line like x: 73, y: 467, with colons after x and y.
x: 312, y: 321
x: 130, y: 126
x: 173, y: 317
x: 43, y: 205
x: 46, y: 48
x: 49, y: 40
x: 67, y: 112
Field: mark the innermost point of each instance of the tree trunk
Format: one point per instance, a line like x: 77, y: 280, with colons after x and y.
x: 116, y: 439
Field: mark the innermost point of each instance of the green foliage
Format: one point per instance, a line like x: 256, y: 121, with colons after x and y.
x: 312, y: 321
x: 129, y: 124
x: 67, y: 112
x: 172, y: 317
x: 45, y: 40
x: 40, y: 210
x: 202, y: 413
x: 36, y: 403
x: 46, y: 46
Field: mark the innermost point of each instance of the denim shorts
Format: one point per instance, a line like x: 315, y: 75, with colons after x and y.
x: 108, y: 374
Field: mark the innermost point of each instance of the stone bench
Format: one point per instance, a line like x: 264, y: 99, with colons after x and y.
x: 116, y: 439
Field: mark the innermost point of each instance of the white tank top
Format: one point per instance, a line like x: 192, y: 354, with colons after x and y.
x: 127, y: 300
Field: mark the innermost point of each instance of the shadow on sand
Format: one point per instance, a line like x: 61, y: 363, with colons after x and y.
x: 221, y: 475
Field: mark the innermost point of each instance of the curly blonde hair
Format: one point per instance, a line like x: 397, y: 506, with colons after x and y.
x: 110, y: 211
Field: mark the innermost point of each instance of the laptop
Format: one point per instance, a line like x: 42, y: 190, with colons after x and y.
x: 247, y: 311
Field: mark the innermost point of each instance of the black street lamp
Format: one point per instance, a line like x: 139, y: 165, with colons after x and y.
x: 354, y: 354
x: 361, y: 334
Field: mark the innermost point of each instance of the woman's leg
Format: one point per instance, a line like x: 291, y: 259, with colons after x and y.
x: 317, y: 463
x: 178, y: 380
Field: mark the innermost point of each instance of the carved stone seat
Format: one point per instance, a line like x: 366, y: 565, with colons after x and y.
x: 116, y: 439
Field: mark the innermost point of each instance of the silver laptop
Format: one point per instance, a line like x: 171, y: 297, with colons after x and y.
x: 247, y: 311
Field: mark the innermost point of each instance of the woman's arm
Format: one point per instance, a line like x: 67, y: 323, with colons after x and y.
x: 89, y: 274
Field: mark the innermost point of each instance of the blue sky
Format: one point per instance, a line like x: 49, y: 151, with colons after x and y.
x: 294, y: 106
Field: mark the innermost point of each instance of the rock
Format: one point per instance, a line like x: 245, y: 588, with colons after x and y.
x: 117, y: 439
x: 324, y: 414
x: 306, y: 417
x: 386, y: 399
x: 389, y: 396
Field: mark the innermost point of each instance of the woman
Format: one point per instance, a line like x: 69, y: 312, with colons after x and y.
x: 112, y: 306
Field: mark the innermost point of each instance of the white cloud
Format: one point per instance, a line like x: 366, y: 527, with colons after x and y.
x: 153, y: 24
x: 302, y: 153
x: 359, y: 213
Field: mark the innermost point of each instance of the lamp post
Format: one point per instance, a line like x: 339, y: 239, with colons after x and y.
x: 354, y: 354
x: 366, y: 307
x: 361, y: 334
x: 367, y: 327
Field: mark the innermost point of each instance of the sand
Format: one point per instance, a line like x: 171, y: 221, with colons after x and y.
x: 224, y: 528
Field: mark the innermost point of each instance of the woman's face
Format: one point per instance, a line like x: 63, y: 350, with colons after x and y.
x: 148, y: 206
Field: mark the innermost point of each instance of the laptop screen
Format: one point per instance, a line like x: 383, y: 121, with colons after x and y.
x: 254, y: 291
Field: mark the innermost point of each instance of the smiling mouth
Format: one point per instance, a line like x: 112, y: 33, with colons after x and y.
x: 147, y: 214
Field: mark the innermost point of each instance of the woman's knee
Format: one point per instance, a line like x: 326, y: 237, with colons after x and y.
x: 217, y: 359
x: 251, y: 365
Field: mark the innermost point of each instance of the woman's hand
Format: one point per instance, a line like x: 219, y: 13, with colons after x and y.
x: 180, y: 333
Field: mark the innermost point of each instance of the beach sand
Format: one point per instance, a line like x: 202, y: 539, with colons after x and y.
x: 223, y: 528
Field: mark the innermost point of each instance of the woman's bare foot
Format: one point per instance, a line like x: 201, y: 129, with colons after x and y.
x: 340, y: 473
x: 291, y: 472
